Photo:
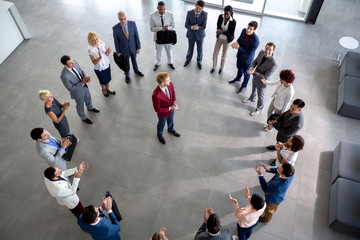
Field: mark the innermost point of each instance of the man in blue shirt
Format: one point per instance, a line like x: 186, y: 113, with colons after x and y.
x: 49, y: 148
x: 93, y: 221
x: 276, y: 188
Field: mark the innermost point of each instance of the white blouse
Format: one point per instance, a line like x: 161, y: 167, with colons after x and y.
x: 288, y: 155
x: 224, y: 28
x: 104, y: 62
x: 282, y: 95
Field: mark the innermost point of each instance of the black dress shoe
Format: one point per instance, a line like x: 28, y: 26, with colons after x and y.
x: 220, y: 71
x: 156, y: 67
x: 127, y: 79
x: 95, y: 110
x: 88, y: 121
x: 241, y: 89
x: 112, y: 93
x: 212, y: 70
x: 271, y: 148
x: 272, y: 162
x: 106, y: 95
x: 199, y: 65
x: 139, y: 73
x: 186, y: 63
x: 175, y: 133
x: 161, y: 139
x: 234, y: 80
x: 172, y: 66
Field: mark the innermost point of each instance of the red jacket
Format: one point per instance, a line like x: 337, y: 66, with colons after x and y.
x: 161, y: 102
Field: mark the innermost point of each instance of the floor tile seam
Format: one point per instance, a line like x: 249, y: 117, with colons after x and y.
x: 271, y: 233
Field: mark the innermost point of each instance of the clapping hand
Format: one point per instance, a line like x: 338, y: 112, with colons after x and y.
x: 257, y: 169
x: 235, y: 45
x: 107, y: 203
x: 265, y: 166
x: 208, y: 211
x: 232, y: 199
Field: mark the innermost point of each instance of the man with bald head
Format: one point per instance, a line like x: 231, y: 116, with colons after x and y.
x: 127, y: 43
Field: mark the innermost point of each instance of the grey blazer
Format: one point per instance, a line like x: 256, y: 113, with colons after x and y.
x: 265, y: 70
x: 289, y: 127
x: 51, y: 154
x: 72, y: 83
x: 202, y: 234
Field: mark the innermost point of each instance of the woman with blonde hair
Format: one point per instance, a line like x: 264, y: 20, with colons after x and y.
x: 56, y: 111
x: 98, y: 54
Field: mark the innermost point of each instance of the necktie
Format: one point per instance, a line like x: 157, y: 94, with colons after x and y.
x: 126, y: 33
x: 287, y: 117
x: 167, y: 93
x: 162, y: 21
x: 77, y: 75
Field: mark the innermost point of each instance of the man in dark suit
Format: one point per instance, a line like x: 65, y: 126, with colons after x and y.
x: 265, y: 66
x: 289, y: 123
x: 76, y: 81
x: 163, y: 99
x: 195, y: 24
x: 246, y: 44
x: 93, y: 221
x: 127, y: 43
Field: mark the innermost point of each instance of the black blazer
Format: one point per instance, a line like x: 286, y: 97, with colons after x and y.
x: 231, y: 29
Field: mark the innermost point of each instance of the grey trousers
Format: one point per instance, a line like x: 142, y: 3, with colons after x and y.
x: 80, y: 104
x: 258, y: 89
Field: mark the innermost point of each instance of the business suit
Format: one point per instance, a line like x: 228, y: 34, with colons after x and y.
x: 245, y: 55
x: 63, y: 190
x: 195, y: 35
x: 104, y: 229
x: 202, y: 234
x: 224, y: 40
x: 155, y: 26
x: 275, y: 191
x: 161, y: 104
x: 127, y: 47
x: 78, y: 91
x: 51, y: 154
x: 289, y: 127
x: 264, y: 70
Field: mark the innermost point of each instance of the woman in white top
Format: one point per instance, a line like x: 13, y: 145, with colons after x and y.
x: 98, y: 54
x: 248, y: 217
x: 282, y: 95
x: 288, y: 152
x: 225, y: 34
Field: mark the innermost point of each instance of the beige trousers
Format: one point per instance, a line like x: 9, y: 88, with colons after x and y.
x: 218, y: 44
x: 269, y: 211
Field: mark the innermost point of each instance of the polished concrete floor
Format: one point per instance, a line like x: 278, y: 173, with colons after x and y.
x: 168, y: 186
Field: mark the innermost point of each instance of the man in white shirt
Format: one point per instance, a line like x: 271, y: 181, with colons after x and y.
x: 162, y: 20
x: 59, y: 186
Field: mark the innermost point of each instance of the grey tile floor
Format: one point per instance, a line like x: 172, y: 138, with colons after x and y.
x: 168, y: 186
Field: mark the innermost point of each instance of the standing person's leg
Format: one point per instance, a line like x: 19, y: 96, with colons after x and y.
x: 271, y: 108
x: 239, y: 66
x: 160, y: 125
x: 189, y: 54
x: 245, y: 67
x: 249, y: 230
x: 80, y: 108
x: 78, y: 210
x: 87, y: 98
x: 225, y: 45
x: 241, y: 232
x: 170, y: 121
x: 253, y: 90
x: 199, y: 47
x: 134, y: 63
x: 168, y: 49
x: 127, y: 71
x: 269, y: 212
x: 216, y: 52
x: 261, y: 89
x: 158, y: 48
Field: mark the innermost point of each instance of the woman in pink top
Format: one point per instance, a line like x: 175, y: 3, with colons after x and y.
x: 248, y: 217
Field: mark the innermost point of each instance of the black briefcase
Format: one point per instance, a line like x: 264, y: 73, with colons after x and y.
x: 69, y: 151
x: 114, y: 207
x: 120, y: 61
x: 166, y: 37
